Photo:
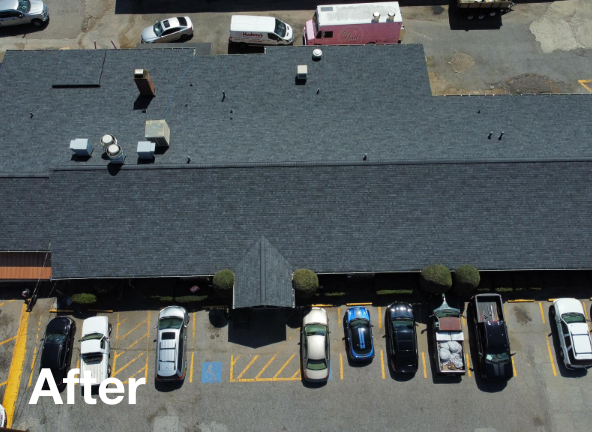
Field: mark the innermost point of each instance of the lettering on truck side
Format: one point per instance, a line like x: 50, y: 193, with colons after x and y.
x: 351, y: 35
x: 259, y: 35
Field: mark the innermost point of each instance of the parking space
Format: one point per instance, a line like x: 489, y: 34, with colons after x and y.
x: 10, y: 311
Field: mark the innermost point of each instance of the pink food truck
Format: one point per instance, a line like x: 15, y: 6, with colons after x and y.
x: 349, y: 24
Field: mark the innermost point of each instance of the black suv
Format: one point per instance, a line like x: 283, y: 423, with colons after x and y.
x: 402, y: 337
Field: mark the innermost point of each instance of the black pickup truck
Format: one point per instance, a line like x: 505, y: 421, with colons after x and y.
x: 491, y: 335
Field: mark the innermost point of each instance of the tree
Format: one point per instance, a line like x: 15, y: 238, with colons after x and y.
x: 466, y: 280
x: 224, y: 283
x: 306, y: 283
x: 435, y: 279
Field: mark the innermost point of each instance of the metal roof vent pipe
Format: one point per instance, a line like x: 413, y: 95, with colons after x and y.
x: 144, y: 82
x: 317, y: 54
x: 376, y: 17
x: 391, y: 17
x: 115, y: 154
x: 107, y: 140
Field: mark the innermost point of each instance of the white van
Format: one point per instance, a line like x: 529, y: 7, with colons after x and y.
x: 260, y: 30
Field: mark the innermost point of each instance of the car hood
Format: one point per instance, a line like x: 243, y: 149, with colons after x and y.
x: 498, y: 371
x: 315, y: 316
x: 148, y: 34
x: 36, y: 7
x: 98, y: 324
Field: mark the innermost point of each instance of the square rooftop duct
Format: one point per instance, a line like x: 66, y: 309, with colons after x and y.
x: 81, y: 147
x: 146, y: 150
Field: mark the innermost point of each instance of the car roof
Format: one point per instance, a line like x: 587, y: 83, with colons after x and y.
x: 50, y: 355
x: 316, y: 347
x: 405, y: 340
x: 568, y: 305
x: 8, y: 4
x: 250, y: 23
x: 172, y: 22
x: 167, y: 352
x: 582, y: 344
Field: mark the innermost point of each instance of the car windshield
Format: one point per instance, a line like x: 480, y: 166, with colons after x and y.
x: 315, y: 330
x: 280, y: 28
x: 402, y: 323
x: 92, y: 336
x: 316, y: 364
x: 572, y: 318
x: 497, y: 358
x: 55, y: 337
x: 157, y: 29
x: 170, y: 323
x: 24, y: 6
x: 360, y: 336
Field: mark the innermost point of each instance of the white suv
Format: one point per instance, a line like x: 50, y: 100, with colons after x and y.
x: 573, y: 333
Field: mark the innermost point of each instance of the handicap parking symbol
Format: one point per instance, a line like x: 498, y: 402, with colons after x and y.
x: 211, y: 372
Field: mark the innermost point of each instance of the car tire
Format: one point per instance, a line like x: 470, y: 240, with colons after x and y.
x: 184, y: 37
x: 552, y: 311
x: 110, y: 328
x: 109, y: 371
x: 37, y: 22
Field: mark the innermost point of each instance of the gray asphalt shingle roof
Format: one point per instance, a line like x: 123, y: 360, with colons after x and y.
x: 329, y: 218
x: 263, y: 278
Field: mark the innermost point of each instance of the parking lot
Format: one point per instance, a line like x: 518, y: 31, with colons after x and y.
x: 246, y: 376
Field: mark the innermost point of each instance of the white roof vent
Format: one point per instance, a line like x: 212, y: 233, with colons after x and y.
x: 115, y: 154
x: 81, y: 147
x: 391, y: 17
x: 158, y: 132
x: 302, y: 72
x: 107, y: 140
x: 376, y: 16
x: 317, y: 54
x: 146, y: 150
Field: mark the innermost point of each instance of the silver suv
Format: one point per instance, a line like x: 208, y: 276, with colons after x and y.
x: 172, y: 339
x: 15, y: 12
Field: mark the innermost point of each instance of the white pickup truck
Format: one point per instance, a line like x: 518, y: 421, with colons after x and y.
x: 95, y: 349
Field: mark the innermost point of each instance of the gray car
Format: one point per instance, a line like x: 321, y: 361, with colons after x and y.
x: 315, y: 348
x: 172, y: 340
x: 168, y: 30
x: 16, y: 12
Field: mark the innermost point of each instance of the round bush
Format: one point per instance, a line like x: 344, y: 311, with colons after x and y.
x: 224, y: 283
x: 306, y: 283
x: 435, y: 279
x: 466, y: 280
x: 84, y: 299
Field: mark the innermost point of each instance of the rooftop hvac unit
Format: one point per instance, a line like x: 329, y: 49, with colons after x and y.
x: 115, y: 154
x: 146, y: 150
x: 81, y: 147
x: 158, y: 132
x: 302, y: 72
x: 107, y: 140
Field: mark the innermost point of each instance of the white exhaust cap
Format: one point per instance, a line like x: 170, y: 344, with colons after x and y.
x: 376, y: 16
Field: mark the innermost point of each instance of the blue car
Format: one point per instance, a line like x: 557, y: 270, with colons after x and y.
x: 359, y: 333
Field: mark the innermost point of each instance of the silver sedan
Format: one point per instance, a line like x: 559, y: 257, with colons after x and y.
x: 315, y: 345
x: 168, y: 30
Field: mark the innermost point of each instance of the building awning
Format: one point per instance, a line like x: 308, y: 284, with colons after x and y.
x: 25, y: 265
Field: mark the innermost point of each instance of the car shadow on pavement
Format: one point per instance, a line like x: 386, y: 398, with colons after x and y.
x: 166, y: 387
x: 23, y: 30
x: 563, y: 371
x: 255, y: 328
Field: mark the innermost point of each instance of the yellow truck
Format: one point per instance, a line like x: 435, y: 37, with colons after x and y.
x: 481, y: 9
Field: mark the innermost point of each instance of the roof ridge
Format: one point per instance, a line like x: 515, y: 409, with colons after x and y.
x: 297, y: 164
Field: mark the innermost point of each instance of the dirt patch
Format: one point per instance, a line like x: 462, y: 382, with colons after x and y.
x: 522, y: 315
x: 535, y: 84
x: 461, y: 62
x: 438, y: 10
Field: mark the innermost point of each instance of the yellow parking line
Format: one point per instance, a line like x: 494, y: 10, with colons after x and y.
x: 521, y: 301
x: 379, y: 317
x: 542, y: 313
x: 296, y: 376
x: 468, y: 365
x: 8, y: 340
x: 191, y: 371
x: 586, y: 312
x: 32, y: 366
x: 265, y: 367
x: 341, y: 366
x: 16, y: 367
x: 3, y: 303
x: 247, y: 368
x: 132, y: 330
x: 382, y: 363
x: 339, y: 317
x: 232, y: 363
x: 464, y: 322
x: 284, y: 366
x: 551, y: 357
x: 147, y: 346
x: 359, y: 304
x: 322, y: 305
x: 132, y: 345
x: 133, y: 375
x: 5, y: 382
x: 425, y: 370
x: 583, y: 84
x: 193, y: 329
x: 128, y: 363
x: 514, y: 367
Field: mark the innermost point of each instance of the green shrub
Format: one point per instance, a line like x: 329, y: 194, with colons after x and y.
x: 500, y: 290
x: 305, y: 282
x: 84, y: 299
x: 435, y: 279
x: 394, y: 292
x: 466, y: 280
x: 190, y: 298
x: 335, y: 294
x: 224, y: 283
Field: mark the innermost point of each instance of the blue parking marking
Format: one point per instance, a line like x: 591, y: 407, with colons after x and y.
x: 330, y: 370
x: 211, y: 372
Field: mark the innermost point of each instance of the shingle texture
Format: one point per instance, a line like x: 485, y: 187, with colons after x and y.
x: 366, y: 218
x: 24, y: 214
x: 356, y: 100
x: 263, y: 278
